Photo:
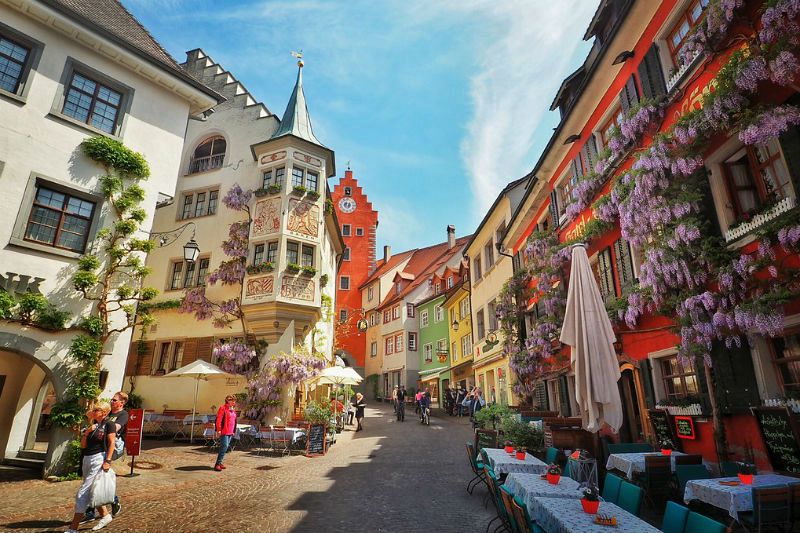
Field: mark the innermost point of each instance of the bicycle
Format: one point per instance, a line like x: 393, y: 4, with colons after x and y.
x: 425, y: 416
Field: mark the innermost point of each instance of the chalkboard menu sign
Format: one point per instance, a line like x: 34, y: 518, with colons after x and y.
x: 663, y: 428
x: 315, y: 440
x: 780, y: 433
x: 685, y: 427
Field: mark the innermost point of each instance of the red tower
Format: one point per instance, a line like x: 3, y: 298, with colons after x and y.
x: 359, y: 224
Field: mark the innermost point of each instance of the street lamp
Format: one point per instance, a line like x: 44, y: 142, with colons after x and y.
x: 191, y: 250
x: 455, y: 325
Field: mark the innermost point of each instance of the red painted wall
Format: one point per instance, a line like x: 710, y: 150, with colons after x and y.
x: 362, y: 258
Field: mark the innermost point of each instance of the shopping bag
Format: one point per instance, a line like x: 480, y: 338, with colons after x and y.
x: 104, y: 487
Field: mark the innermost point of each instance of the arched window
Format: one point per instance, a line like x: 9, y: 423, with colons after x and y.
x: 208, y: 155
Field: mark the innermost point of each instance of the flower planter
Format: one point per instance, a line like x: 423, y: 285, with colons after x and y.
x: 313, y: 195
x: 666, y: 451
x: 553, y: 479
x: 521, y: 455
x: 694, y: 409
x: 508, y: 449
x: 590, y: 506
x: 746, y: 479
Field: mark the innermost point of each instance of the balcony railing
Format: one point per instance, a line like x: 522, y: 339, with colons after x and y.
x: 202, y: 164
x: 678, y: 74
x: 746, y: 227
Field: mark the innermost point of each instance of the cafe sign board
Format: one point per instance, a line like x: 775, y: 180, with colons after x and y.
x: 779, y: 430
x: 684, y: 426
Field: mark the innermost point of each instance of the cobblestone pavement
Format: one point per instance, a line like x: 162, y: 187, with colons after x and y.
x: 390, y: 477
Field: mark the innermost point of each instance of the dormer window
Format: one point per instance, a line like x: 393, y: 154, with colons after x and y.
x: 397, y: 288
x: 210, y: 154
x: 449, y: 282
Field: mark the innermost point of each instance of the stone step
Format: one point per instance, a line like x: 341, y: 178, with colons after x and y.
x: 38, y: 455
x: 32, y: 464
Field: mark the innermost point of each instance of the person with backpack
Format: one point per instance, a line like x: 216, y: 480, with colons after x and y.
x: 226, y: 428
x: 119, y: 416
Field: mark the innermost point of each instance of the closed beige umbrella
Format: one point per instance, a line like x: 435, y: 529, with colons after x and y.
x: 587, y: 330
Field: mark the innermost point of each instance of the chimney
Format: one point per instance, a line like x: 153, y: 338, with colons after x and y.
x: 387, y: 253
x: 451, y: 236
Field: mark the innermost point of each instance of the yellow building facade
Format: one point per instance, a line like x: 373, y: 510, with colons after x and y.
x: 457, y: 309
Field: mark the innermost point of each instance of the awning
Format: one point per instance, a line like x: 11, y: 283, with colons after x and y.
x: 431, y: 374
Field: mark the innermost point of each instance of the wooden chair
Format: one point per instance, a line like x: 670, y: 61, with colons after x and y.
x: 281, y: 439
x: 507, y: 498
x: 520, y: 514
x: 771, y: 509
x: 689, y: 459
x: 657, y: 479
x: 496, y: 499
x: 210, y: 435
x: 264, y: 439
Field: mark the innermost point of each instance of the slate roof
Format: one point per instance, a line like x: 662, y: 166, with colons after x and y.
x: 110, y: 19
x: 296, y: 120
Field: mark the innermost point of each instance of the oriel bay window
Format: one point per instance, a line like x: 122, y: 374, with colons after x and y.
x: 292, y: 252
x: 786, y: 358
x: 308, y: 256
x: 680, y: 379
x: 273, y: 177
x: 756, y: 177
x: 305, y: 178
x: 59, y: 219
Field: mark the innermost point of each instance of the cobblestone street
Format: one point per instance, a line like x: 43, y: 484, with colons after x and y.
x: 390, y: 477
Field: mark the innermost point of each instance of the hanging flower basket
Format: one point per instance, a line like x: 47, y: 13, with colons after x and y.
x: 442, y: 356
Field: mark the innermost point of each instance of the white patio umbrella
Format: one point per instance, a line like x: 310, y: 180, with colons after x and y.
x: 338, y: 375
x: 199, y: 370
x: 588, y: 332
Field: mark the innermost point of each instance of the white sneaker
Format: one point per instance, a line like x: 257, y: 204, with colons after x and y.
x: 103, y: 523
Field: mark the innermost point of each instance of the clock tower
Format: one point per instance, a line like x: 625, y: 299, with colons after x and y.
x: 358, y: 222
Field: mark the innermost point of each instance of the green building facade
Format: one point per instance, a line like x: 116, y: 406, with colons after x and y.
x: 434, y: 340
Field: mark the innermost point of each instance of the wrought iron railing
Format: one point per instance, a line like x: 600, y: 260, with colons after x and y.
x: 202, y: 164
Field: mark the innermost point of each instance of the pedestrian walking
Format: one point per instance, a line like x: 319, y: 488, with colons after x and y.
x: 394, y: 399
x: 461, y: 396
x: 119, y: 416
x: 97, y: 448
x: 225, y: 426
x: 417, y: 398
x: 359, y: 404
x: 401, y: 404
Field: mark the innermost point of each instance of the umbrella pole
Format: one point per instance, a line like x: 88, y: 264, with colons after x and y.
x: 194, y: 408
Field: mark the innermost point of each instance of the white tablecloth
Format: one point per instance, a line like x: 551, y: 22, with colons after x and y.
x: 198, y: 419
x: 634, y: 462
x: 505, y: 463
x: 291, y: 433
x: 734, y: 499
x: 529, y: 486
x: 566, y: 515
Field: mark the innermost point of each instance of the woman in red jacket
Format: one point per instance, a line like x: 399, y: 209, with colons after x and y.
x: 226, y: 428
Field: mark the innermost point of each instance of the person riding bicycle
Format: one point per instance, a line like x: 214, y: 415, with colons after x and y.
x: 424, y: 406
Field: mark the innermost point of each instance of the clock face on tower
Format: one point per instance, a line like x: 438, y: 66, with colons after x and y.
x: 347, y: 205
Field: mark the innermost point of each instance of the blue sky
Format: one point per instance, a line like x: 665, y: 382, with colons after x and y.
x: 437, y: 104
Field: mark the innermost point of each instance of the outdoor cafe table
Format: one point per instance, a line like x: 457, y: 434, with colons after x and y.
x: 529, y: 486
x: 633, y: 462
x: 566, y: 515
x: 732, y: 498
x: 506, y: 463
x: 153, y: 423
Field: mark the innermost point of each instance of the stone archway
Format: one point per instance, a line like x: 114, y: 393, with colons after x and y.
x: 28, y: 363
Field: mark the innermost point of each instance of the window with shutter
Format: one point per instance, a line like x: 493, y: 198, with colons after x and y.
x: 651, y: 75
x: 629, y: 96
x: 735, y: 378
x: 790, y: 145
x: 627, y: 279
x: 604, y: 273
x: 554, y: 213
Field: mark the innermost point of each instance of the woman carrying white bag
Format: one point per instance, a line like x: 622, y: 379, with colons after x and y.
x: 97, y: 443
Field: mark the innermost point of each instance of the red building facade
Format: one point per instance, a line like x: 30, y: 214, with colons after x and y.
x: 359, y: 225
x: 637, y: 101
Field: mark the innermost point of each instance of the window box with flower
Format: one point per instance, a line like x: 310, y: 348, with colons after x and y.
x: 299, y: 190
x: 308, y: 271
x: 266, y: 266
x: 687, y: 406
x: 293, y: 268
x: 314, y: 195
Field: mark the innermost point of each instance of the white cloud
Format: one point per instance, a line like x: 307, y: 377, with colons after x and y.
x: 523, y: 51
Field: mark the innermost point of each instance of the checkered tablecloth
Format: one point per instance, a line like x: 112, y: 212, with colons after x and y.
x: 506, y: 463
x: 566, y: 515
x: 732, y: 498
x: 633, y: 462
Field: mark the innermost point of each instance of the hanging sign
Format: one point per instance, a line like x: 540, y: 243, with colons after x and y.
x: 685, y: 427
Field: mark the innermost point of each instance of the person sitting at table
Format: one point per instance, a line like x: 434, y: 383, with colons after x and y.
x: 225, y: 426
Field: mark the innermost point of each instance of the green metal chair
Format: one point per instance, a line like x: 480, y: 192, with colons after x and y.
x: 551, y: 455
x: 771, y: 509
x: 697, y: 523
x: 497, y: 499
x: 611, y: 487
x: 686, y: 473
x: 523, y: 518
x: 728, y: 469
x: 630, y: 447
x: 630, y: 498
x: 674, y: 518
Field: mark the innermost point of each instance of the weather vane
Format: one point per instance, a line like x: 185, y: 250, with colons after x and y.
x: 348, y: 164
x: 299, y: 56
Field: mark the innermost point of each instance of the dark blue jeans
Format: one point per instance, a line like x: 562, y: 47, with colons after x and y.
x: 224, y: 442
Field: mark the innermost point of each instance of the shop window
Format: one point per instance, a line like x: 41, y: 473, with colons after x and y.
x: 679, y: 379
x: 681, y: 30
x: 208, y: 155
x: 756, y: 177
x: 786, y: 358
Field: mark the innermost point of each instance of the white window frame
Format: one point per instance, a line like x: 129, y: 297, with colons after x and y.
x: 412, y: 341
x: 373, y: 349
x: 388, y: 345
x: 359, y: 232
x: 395, y: 312
x: 398, y: 343
x: 427, y: 351
x: 438, y: 311
x: 423, y: 318
x: 370, y: 293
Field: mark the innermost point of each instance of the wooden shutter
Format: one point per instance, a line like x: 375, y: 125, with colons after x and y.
x: 709, y: 208
x: 646, y: 373
x: 606, y: 272
x: 189, y: 351
x: 577, y: 167
x: 591, y: 152
x: 204, y: 347
x: 735, y: 378
x: 133, y: 359
x: 563, y: 394
x: 540, y: 396
x: 554, y: 207
x: 651, y: 75
x: 790, y: 144
x: 629, y: 96
x: 622, y: 251
x: 140, y: 362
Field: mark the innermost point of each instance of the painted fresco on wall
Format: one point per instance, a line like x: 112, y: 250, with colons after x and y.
x: 267, y: 217
x: 298, y: 288
x: 271, y: 158
x: 260, y: 287
x: 303, y: 217
x: 307, y: 159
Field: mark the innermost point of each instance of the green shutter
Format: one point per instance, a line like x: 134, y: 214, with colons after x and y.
x: 622, y: 251
x: 554, y: 207
x: 563, y: 393
x: 790, y: 144
x: 606, y: 271
x: 646, y: 373
x: 629, y: 96
x: 651, y: 75
x: 735, y: 378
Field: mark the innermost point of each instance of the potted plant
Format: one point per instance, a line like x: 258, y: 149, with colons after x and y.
x: 308, y: 270
x: 328, y: 206
x: 746, y: 472
x: 666, y: 447
x: 299, y: 189
x: 553, y: 474
x: 260, y: 192
x: 509, y: 447
x: 317, y: 414
x: 293, y: 267
x: 274, y: 188
x: 591, y: 499
x: 521, y: 454
x: 323, y: 280
x: 314, y: 195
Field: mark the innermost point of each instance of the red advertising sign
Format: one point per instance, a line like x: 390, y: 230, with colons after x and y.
x: 685, y: 427
x: 133, y: 433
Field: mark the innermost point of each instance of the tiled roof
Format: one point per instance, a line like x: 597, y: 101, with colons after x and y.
x: 381, y: 267
x: 110, y: 19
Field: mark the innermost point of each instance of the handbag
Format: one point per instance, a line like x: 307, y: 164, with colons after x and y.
x: 104, y: 487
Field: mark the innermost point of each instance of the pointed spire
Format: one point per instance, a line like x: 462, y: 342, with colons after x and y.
x: 296, y: 120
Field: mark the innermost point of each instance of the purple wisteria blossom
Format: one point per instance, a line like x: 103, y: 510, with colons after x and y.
x: 750, y: 73
x: 778, y: 21
x: 789, y: 238
x: 783, y: 69
x: 237, y: 199
x: 770, y: 124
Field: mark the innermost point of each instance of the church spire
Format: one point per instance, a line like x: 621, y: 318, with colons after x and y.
x: 296, y: 120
